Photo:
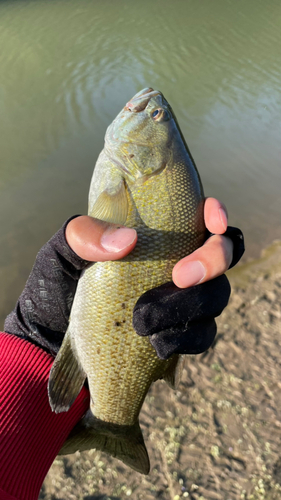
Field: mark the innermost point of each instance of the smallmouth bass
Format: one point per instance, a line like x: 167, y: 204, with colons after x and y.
x: 144, y: 178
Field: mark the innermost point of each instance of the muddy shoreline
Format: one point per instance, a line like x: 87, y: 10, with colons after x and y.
x: 217, y: 437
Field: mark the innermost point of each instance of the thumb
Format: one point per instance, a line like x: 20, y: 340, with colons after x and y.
x: 95, y: 240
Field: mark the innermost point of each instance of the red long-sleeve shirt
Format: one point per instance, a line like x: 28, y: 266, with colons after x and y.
x: 31, y: 435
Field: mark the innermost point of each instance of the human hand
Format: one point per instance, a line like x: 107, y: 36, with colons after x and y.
x: 94, y: 240
x: 176, y: 320
x: 179, y: 316
x: 214, y: 257
x: 42, y: 311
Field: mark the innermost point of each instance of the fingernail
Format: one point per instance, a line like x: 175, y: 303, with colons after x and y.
x: 223, y: 218
x: 190, y: 274
x: 114, y: 240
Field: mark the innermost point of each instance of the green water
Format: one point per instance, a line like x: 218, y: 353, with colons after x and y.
x: 67, y: 68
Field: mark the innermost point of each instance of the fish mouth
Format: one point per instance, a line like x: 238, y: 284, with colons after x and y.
x: 137, y: 104
x: 140, y: 100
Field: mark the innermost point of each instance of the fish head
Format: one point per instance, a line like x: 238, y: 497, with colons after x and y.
x: 139, y: 139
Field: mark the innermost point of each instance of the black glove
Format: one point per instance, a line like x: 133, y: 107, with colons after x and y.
x: 42, y: 310
x: 237, y: 239
x: 181, y: 321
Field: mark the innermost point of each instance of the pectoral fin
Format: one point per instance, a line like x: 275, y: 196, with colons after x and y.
x: 66, y: 377
x: 111, y: 205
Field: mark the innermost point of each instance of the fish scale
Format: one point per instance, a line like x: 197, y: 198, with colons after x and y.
x: 144, y: 178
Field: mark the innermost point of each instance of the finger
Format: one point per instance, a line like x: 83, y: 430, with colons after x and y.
x: 96, y: 240
x: 207, y: 262
x: 215, y: 215
x: 197, y: 338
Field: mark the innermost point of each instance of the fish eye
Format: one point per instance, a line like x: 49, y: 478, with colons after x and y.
x: 160, y: 115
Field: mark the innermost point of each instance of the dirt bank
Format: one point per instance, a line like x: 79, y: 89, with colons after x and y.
x: 217, y: 437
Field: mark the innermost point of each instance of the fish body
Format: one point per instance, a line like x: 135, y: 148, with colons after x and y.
x: 144, y: 178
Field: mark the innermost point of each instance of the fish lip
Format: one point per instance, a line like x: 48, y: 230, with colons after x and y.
x: 137, y: 104
x: 140, y: 101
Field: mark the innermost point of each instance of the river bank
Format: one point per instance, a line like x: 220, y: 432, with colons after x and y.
x: 217, y: 437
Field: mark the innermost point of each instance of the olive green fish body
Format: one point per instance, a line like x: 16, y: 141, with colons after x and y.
x: 123, y: 365
x: 145, y: 180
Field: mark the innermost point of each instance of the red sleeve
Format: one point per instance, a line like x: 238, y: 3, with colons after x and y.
x: 31, y: 435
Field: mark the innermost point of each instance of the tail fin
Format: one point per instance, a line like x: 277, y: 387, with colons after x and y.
x: 124, y: 442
